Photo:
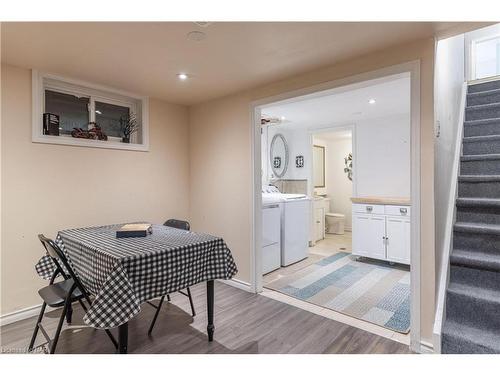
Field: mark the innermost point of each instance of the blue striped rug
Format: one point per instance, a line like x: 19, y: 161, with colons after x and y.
x: 369, y: 290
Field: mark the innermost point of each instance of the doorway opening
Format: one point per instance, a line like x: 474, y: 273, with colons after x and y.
x: 325, y: 155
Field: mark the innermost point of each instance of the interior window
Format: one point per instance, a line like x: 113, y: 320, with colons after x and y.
x: 487, y: 58
x: 72, y: 110
x: 108, y: 117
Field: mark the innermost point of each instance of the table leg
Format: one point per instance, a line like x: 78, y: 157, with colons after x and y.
x: 123, y: 338
x: 210, y: 310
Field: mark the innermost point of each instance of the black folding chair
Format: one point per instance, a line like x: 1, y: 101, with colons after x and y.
x: 62, y: 293
x: 184, y: 225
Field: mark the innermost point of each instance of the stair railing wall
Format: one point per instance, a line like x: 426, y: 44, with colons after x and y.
x: 450, y: 222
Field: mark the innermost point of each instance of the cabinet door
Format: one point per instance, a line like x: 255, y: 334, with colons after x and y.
x: 398, y: 240
x: 319, y: 224
x: 368, y: 232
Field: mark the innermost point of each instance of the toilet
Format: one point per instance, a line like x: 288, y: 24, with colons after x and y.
x: 334, y: 223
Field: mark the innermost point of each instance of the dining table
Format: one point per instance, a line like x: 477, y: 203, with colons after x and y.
x: 123, y: 273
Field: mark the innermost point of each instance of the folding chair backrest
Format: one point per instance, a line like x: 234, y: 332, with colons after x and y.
x: 179, y: 224
x: 59, y: 258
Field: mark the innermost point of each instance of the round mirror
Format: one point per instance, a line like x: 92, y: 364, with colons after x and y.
x: 278, y: 155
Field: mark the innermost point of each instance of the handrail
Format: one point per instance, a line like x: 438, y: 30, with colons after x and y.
x: 450, y: 222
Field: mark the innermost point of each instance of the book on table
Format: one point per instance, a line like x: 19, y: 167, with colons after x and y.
x: 134, y: 230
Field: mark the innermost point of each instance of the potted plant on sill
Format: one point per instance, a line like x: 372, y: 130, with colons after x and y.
x: 129, y: 125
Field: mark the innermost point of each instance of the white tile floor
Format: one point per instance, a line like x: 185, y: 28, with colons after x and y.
x: 329, y: 246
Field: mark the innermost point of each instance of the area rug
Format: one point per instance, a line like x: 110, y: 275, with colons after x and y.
x: 369, y: 290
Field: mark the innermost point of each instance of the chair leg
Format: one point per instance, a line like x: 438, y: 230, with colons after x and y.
x: 69, y: 313
x: 59, y: 326
x: 168, y: 297
x: 35, y: 332
x: 193, y: 313
x: 83, y: 305
x: 156, y: 315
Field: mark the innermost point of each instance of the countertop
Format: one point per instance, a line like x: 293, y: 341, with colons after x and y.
x: 400, y: 201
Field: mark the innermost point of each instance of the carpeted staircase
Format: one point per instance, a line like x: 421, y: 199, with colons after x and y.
x: 472, y: 323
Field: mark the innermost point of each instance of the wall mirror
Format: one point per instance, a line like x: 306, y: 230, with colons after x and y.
x: 278, y: 155
x: 319, y: 166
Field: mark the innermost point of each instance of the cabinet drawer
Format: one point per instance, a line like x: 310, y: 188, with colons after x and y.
x: 397, y: 210
x: 368, y: 208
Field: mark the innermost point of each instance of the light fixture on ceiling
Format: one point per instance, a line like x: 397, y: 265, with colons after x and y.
x: 196, y: 36
x: 182, y: 76
x: 98, y: 112
x: 282, y: 118
x: 202, y: 23
x: 372, y: 101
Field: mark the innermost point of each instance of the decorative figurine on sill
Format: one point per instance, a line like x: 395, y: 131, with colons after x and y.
x: 129, y: 125
x: 94, y: 133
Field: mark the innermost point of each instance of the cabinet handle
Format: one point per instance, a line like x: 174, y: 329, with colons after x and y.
x: 318, y: 222
x: 369, y: 208
x: 403, y: 210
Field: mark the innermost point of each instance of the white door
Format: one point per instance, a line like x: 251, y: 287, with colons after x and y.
x: 368, y: 232
x: 398, y: 240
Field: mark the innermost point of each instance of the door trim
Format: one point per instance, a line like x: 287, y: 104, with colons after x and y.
x: 411, y: 67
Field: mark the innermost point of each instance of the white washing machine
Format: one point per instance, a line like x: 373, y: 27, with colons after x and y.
x: 271, y: 232
x: 295, y: 220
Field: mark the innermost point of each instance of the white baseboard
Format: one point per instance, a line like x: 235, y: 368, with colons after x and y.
x: 426, y: 347
x: 18, y: 315
x: 243, y: 285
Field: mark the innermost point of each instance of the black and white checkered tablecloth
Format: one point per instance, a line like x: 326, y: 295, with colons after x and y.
x: 122, y: 273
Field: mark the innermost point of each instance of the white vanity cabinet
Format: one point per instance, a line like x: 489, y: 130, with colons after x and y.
x: 381, y: 232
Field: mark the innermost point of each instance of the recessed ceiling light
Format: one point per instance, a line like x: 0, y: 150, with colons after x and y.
x: 203, y: 23
x: 98, y: 112
x: 196, y: 36
x: 372, y: 101
x: 182, y: 76
x: 282, y: 118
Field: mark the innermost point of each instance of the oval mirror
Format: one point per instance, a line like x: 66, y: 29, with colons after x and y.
x: 278, y: 155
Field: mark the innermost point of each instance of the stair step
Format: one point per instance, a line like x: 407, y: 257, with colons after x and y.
x: 472, y: 306
x: 482, y: 111
x: 478, y: 202
x: 487, y: 164
x: 480, y: 178
x: 485, y: 86
x: 471, y: 186
x: 477, y: 228
x: 480, y: 157
x: 460, y: 338
x: 482, y: 127
x: 476, y: 277
x: 480, y: 145
x: 476, y: 259
x: 478, y: 210
x: 483, y: 97
x: 467, y: 238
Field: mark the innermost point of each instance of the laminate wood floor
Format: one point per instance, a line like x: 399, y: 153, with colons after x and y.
x: 245, y: 323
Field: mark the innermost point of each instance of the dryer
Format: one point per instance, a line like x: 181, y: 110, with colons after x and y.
x: 295, y: 220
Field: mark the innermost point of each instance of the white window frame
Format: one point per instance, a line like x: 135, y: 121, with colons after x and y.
x: 42, y: 81
x: 471, y: 40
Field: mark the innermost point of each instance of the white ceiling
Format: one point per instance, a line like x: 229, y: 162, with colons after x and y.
x: 345, y: 105
x: 144, y: 58
x: 334, y: 135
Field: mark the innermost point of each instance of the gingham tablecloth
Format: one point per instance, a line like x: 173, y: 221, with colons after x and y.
x: 122, y: 273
